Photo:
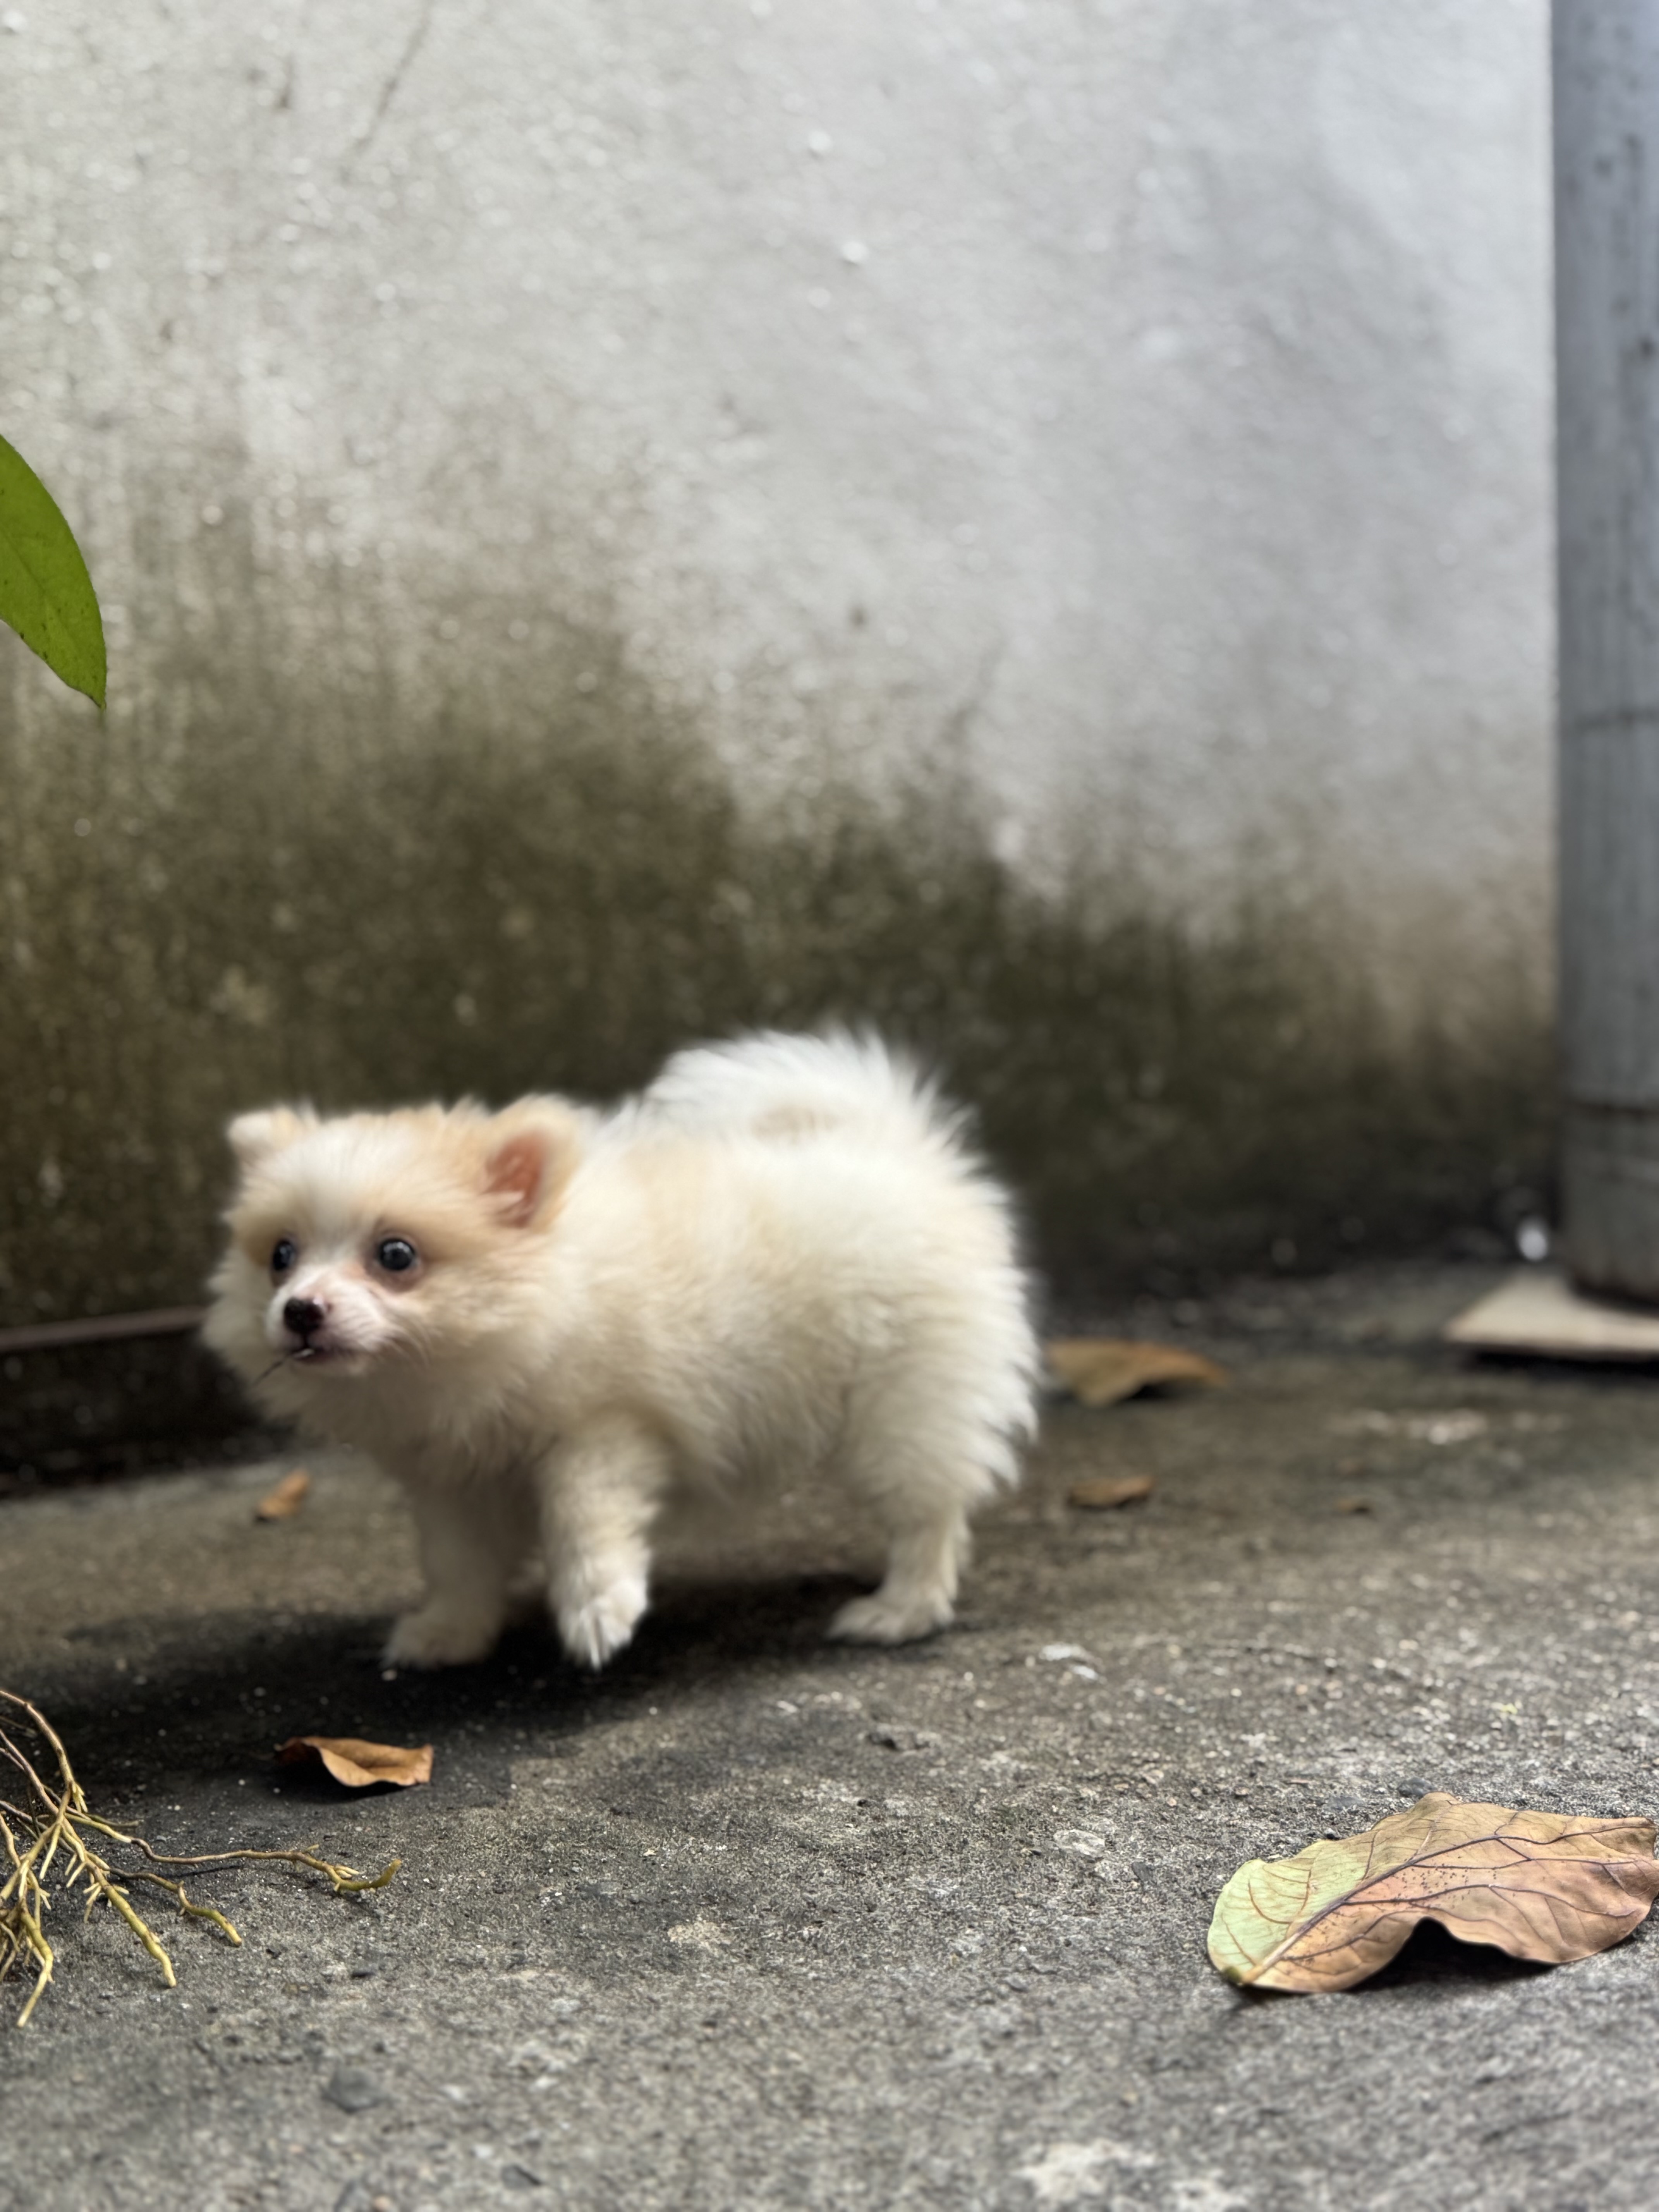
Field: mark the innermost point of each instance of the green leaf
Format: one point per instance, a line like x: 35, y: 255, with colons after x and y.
x: 46, y: 593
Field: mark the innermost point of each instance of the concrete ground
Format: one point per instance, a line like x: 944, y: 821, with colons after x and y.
x: 755, y: 1921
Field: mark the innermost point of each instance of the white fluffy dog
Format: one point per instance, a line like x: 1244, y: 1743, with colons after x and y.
x: 779, y: 1263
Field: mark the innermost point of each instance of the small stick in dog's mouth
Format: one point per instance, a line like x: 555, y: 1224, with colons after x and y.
x: 300, y: 1352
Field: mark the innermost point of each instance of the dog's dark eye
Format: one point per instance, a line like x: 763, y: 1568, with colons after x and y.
x: 283, y: 1256
x: 396, y: 1255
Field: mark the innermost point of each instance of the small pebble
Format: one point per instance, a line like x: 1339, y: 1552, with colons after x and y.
x: 354, y: 2091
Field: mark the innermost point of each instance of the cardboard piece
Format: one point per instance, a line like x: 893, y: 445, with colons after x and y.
x: 1538, y: 1312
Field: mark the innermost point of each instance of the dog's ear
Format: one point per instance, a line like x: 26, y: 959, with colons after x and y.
x: 257, y: 1138
x: 532, y: 1153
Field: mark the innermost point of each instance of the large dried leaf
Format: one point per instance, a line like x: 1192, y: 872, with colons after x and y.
x: 1100, y: 1370
x: 283, y: 1500
x: 1544, y: 1886
x: 357, y: 1764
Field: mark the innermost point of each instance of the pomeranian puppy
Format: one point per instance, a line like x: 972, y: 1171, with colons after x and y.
x: 781, y: 1264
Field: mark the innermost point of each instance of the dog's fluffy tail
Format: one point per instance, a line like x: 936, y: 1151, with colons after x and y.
x: 775, y: 1086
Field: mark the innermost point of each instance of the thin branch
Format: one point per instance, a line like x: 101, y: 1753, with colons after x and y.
x: 61, y: 1823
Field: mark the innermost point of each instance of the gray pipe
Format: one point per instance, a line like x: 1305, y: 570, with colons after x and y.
x: 1606, y: 247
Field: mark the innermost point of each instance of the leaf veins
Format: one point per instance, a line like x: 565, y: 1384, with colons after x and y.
x: 1544, y: 1885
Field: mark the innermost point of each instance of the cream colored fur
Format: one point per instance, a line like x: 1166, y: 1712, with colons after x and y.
x: 781, y: 1265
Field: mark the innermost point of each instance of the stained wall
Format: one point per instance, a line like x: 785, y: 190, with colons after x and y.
x: 1028, y: 522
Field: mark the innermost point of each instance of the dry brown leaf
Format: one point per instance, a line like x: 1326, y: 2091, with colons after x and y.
x: 357, y: 1764
x: 1099, y: 1492
x: 1100, y: 1370
x: 1544, y: 1886
x: 286, y: 1499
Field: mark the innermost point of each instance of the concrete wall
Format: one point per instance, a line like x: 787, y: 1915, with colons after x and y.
x: 618, y: 517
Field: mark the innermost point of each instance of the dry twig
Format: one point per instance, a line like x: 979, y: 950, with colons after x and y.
x: 54, y: 1824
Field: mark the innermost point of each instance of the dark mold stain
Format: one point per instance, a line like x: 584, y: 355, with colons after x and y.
x: 347, y: 888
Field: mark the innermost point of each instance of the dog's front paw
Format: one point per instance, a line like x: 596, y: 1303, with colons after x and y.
x: 880, y: 1618
x: 440, y: 1636
x: 592, y: 1627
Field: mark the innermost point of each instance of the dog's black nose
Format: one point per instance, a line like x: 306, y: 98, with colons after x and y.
x: 303, y: 1316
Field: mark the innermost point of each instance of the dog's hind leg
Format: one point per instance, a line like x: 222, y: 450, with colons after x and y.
x: 925, y: 1558
x: 921, y: 1452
